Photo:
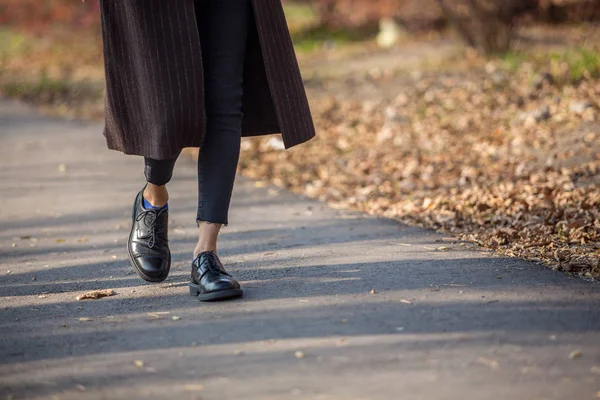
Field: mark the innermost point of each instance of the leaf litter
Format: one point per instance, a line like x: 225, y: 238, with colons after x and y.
x: 484, y: 156
x: 96, y: 294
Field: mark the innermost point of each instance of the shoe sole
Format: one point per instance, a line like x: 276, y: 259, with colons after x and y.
x: 214, y: 296
x: 147, y: 278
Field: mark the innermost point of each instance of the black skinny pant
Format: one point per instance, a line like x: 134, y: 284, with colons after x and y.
x: 223, y: 27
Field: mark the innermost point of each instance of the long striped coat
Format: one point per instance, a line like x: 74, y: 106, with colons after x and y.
x: 154, y: 103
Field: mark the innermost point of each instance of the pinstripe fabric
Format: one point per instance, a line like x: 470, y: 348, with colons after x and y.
x: 154, y: 103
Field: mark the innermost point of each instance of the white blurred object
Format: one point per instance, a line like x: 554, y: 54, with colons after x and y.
x: 245, y: 145
x: 389, y: 33
x: 275, y: 143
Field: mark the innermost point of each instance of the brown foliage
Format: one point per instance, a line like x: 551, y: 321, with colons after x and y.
x: 343, y: 13
x: 35, y: 16
x: 486, y: 25
x: 558, y: 11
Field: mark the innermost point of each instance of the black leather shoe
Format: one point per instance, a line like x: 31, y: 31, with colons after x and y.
x: 210, y: 281
x: 148, y: 242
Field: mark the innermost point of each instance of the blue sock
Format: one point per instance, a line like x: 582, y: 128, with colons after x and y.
x: 148, y: 205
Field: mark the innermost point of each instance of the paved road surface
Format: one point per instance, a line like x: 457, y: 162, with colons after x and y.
x: 454, y: 324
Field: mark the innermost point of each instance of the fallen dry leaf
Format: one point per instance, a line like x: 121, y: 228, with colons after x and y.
x: 493, y: 364
x: 299, y: 354
x: 139, y: 363
x: 83, y: 319
x: 96, y: 294
x: 373, y: 291
x: 193, y: 387
x: 575, y: 354
x: 175, y: 318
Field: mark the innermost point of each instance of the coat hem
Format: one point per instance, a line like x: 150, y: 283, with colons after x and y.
x: 136, y: 151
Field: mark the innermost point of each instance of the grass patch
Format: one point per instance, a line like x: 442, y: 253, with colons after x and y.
x: 581, y: 63
x: 512, y: 60
x: 299, y: 16
x: 48, y: 90
x: 308, y: 35
x: 566, y: 67
x: 317, y: 37
x: 13, y: 44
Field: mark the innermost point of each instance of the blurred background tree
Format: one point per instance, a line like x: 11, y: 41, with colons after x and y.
x: 35, y: 16
x: 487, y: 25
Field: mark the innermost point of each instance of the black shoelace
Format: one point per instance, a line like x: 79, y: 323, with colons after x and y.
x: 153, y: 214
x: 213, y: 264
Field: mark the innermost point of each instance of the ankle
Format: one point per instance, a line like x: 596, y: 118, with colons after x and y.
x: 199, y: 249
x: 156, y: 195
x: 207, y: 239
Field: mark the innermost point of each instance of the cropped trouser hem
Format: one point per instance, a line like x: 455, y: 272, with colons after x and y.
x: 198, y: 220
x: 159, y: 172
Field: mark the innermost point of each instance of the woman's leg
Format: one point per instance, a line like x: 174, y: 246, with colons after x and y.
x: 158, y: 173
x: 148, y: 242
x: 223, y: 29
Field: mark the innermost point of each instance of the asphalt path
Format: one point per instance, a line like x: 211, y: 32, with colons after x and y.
x: 337, y: 304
